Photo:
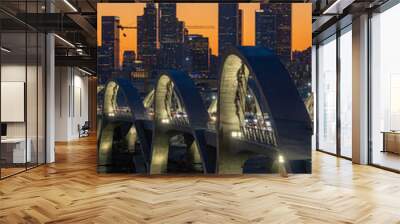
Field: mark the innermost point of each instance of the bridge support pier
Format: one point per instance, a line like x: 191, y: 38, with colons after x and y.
x: 131, y: 138
x: 282, y: 170
x: 194, y: 156
x: 105, y: 145
x: 229, y: 162
x: 159, y: 153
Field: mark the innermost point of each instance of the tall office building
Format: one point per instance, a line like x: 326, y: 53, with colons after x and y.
x: 147, y: 37
x: 300, y: 70
x: 197, y: 57
x: 139, y: 72
x: 229, y: 26
x: 128, y: 63
x: 213, y: 66
x: 273, y: 29
x: 181, y: 29
x: 240, y: 27
x: 108, y: 53
x: 168, y: 23
x: 171, y: 37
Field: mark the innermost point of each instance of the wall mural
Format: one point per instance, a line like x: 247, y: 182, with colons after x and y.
x: 223, y: 89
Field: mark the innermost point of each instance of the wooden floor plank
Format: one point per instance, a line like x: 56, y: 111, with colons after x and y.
x: 70, y: 191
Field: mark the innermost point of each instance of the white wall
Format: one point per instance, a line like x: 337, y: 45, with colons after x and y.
x: 80, y: 112
x: 16, y: 73
x: 33, y: 126
x: 12, y: 73
x: 71, y: 102
x: 61, y: 103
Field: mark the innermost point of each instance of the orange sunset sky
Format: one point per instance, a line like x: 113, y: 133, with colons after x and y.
x: 206, y: 14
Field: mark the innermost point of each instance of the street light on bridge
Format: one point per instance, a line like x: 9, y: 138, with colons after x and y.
x: 236, y: 134
x: 165, y: 121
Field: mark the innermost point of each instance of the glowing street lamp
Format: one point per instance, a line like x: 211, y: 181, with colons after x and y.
x: 281, y: 159
x: 236, y: 134
x: 165, y: 121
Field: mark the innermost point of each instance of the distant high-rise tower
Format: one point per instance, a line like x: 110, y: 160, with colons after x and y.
x: 108, y: 53
x: 128, y: 63
x: 240, y: 28
x: 171, y: 36
x: 168, y: 23
x: 147, y: 37
x: 273, y: 29
x: 229, y: 26
x: 197, y: 55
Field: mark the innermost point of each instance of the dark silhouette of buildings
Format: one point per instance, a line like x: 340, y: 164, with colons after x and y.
x: 163, y: 42
x: 147, y: 37
x: 197, y: 55
x: 229, y: 26
x: 140, y: 72
x: 300, y: 71
x: 240, y: 27
x: 171, y: 33
x: 213, y: 66
x: 273, y: 29
x: 168, y: 23
x: 108, y: 53
x: 128, y: 63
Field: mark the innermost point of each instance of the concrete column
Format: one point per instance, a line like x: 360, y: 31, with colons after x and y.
x: 50, y: 91
x: 360, y: 89
x: 50, y: 98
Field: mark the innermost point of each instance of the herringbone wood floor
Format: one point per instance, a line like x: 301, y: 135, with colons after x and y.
x: 70, y: 191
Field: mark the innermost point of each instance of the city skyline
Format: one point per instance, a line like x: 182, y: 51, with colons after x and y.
x: 207, y: 26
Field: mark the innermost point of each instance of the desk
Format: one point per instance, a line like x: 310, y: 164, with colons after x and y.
x: 391, y: 141
x: 13, y: 150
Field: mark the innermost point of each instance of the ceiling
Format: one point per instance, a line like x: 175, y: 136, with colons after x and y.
x: 330, y: 15
x: 74, y: 22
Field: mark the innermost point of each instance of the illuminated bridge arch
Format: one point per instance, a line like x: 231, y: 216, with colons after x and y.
x: 178, y: 106
x: 278, y: 120
x: 127, y: 119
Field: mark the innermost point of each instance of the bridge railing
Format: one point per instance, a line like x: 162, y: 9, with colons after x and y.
x: 259, y: 134
x: 180, y: 120
x: 211, y: 125
x: 122, y: 113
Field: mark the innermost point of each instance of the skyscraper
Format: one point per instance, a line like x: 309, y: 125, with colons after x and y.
x: 240, y: 27
x: 147, y: 37
x: 171, y: 37
x: 197, y: 56
x: 168, y: 23
x: 213, y: 66
x: 273, y: 29
x: 229, y: 26
x: 128, y: 63
x: 300, y: 71
x: 108, y: 53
